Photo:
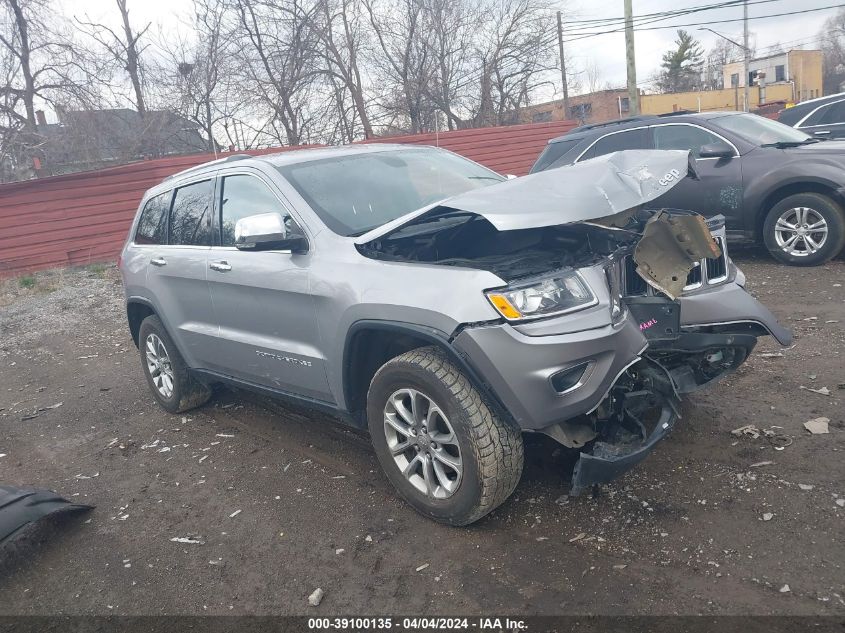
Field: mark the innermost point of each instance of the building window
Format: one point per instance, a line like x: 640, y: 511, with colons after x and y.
x: 581, y: 111
x: 624, y: 105
x: 735, y: 80
x: 780, y: 73
x: 541, y: 117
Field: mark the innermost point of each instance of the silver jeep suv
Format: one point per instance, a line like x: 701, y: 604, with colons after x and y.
x: 445, y: 308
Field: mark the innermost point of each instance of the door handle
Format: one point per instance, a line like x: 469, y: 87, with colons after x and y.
x: 158, y: 261
x: 220, y: 267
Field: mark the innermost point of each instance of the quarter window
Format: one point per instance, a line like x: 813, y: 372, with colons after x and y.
x: 629, y: 139
x: 686, y: 137
x: 152, y: 225
x: 190, y: 219
x: 554, y: 154
x: 242, y: 196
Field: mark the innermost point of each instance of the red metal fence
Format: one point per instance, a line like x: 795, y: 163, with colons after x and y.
x: 83, y: 218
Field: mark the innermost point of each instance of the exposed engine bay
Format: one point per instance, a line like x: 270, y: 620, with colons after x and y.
x: 666, y: 244
x: 457, y: 238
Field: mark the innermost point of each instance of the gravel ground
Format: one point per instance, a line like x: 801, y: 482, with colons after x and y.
x: 284, y: 501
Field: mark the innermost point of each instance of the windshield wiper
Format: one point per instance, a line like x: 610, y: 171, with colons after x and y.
x: 485, y: 178
x: 785, y: 144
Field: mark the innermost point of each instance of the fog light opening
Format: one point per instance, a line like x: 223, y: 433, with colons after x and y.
x: 571, y: 378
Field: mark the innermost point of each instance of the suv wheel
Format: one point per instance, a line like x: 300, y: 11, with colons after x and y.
x: 446, y: 452
x: 173, y: 386
x: 806, y: 229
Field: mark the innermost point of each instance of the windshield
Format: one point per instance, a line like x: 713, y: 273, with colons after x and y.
x: 760, y: 130
x: 356, y: 193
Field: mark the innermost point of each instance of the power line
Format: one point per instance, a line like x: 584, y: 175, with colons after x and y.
x: 675, y: 26
x: 572, y: 25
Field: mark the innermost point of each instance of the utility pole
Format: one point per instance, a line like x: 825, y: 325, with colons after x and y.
x: 633, y: 93
x: 745, y: 47
x: 562, y: 66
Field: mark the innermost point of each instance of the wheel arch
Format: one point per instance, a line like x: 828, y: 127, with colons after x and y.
x: 371, y: 343
x: 823, y: 187
x: 138, y: 309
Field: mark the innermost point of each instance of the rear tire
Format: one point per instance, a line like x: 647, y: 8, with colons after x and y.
x: 170, y: 380
x: 454, y: 430
x: 788, y: 230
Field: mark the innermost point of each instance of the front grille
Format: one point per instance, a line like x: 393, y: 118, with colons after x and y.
x: 705, y: 273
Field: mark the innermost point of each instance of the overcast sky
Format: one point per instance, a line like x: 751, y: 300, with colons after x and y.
x: 607, y: 51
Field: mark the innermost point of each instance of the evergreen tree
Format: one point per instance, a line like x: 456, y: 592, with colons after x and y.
x: 682, y: 65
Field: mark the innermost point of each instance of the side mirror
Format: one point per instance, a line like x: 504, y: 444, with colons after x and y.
x: 716, y: 150
x: 269, y: 232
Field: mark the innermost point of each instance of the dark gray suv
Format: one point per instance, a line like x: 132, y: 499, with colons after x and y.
x: 772, y: 183
x: 416, y: 294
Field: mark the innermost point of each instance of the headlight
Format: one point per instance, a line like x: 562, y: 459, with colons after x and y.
x: 556, y: 295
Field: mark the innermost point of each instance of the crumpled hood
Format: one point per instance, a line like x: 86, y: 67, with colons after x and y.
x: 590, y: 190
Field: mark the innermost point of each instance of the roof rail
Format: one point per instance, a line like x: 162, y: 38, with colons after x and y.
x: 592, y: 126
x: 227, y: 159
x: 677, y: 113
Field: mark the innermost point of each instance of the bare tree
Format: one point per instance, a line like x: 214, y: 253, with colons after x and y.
x: 832, y: 40
x: 195, y: 74
x: 341, y: 29
x: 723, y: 53
x: 517, y: 47
x: 280, y: 53
x: 38, y: 64
x: 404, y: 63
x: 593, y: 77
x: 451, y: 26
x: 125, y: 50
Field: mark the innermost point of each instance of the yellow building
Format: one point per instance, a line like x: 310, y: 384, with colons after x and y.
x: 789, y: 77
x: 799, y: 69
x: 729, y: 99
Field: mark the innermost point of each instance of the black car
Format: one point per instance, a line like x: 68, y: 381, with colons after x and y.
x: 822, y: 118
x: 773, y: 184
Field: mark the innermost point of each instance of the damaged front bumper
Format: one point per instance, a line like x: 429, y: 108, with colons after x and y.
x: 635, y: 371
x: 644, y: 403
x: 626, y: 444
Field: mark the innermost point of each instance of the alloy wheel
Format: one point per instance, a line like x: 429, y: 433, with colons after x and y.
x: 159, y: 366
x: 423, y: 444
x: 801, y: 231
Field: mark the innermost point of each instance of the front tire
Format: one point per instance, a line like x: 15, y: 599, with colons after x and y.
x: 806, y: 229
x: 442, y: 447
x: 172, y: 384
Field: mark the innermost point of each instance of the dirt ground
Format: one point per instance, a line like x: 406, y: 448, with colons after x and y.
x: 284, y: 501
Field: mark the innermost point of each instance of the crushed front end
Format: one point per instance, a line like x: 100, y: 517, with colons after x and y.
x: 608, y: 380
x: 687, y: 348
x: 607, y: 312
x: 644, y: 402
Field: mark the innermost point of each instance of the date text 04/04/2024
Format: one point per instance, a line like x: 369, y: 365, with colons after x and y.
x: 415, y: 623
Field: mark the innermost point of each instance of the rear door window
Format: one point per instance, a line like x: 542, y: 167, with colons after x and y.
x: 152, y: 225
x: 679, y: 136
x: 629, y: 139
x: 240, y: 197
x: 190, y: 218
